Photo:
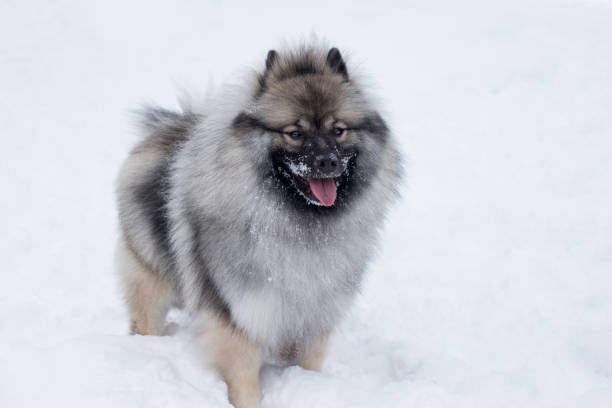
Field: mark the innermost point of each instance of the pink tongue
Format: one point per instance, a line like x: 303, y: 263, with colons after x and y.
x: 324, y: 190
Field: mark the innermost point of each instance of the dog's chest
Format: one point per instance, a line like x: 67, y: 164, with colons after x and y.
x: 296, y: 293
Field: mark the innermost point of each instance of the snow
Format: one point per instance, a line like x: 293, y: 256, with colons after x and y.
x: 301, y: 168
x: 493, y: 285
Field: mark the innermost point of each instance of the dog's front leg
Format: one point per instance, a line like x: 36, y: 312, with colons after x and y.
x: 313, y: 356
x: 238, y: 360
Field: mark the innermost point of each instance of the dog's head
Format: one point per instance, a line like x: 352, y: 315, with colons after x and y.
x: 312, y: 130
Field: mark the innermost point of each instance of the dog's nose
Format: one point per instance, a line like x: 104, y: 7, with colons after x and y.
x: 327, y: 162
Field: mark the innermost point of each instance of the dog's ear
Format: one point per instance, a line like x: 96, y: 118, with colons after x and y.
x: 271, y: 59
x: 336, y: 63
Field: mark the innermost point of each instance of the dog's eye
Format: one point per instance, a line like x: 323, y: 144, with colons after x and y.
x: 296, y: 134
x: 338, y: 131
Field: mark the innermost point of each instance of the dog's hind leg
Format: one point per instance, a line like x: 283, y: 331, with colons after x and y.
x: 148, y: 295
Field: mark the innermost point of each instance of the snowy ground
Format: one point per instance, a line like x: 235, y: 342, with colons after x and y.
x: 493, y: 288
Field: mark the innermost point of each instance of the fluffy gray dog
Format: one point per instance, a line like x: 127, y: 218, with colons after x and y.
x: 257, y: 214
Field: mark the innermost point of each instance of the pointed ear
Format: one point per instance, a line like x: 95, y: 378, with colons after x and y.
x: 335, y: 62
x: 271, y: 59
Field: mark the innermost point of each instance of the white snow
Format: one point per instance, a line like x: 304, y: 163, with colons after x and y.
x: 493, y: 286
x: 299, y: 168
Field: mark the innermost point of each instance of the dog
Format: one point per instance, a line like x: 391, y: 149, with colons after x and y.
x: 257, y: 214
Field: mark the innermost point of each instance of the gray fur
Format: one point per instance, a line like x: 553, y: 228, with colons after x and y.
x: 200, y: 206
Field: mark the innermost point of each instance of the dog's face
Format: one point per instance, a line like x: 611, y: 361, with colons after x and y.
x: 322, y: 137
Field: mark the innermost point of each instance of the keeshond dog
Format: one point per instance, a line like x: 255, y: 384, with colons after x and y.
x: 257, y: 214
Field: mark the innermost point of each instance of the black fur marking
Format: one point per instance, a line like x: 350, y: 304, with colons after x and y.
x: 303, y: 70
x: 289, y: 352
x: 209, y: 293
x: 152, y: 197
x: 246, y: 122
x: 336, y: 63
x: 375, y: 125
x: 271, y: 59
x: 167, y: 130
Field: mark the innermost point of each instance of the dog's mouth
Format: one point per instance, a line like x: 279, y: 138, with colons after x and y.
x: 324, y: 189
x: 317, y: 189
x: 319, y: 185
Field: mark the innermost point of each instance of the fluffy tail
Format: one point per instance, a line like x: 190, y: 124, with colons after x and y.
x: 154, y: 120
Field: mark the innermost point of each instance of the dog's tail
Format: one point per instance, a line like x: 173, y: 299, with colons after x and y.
x: 154, y: 120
